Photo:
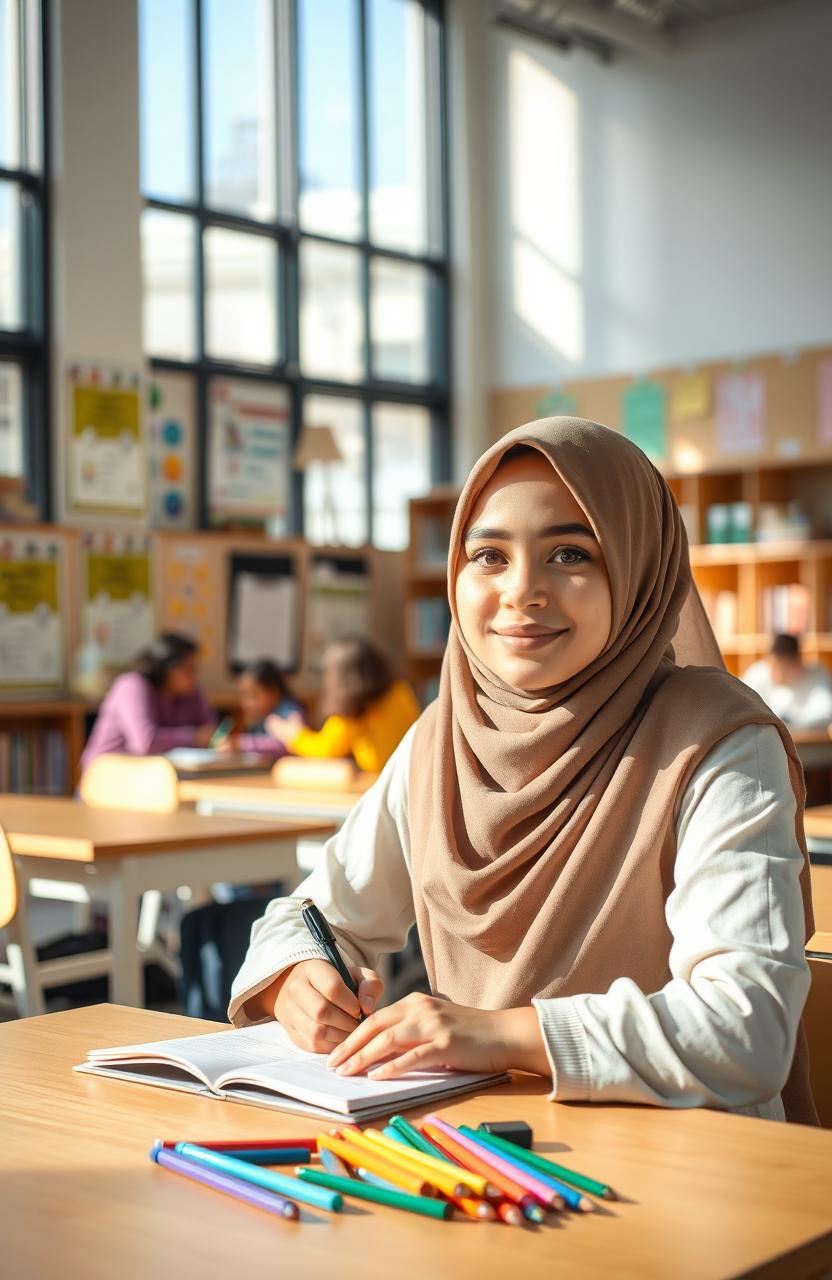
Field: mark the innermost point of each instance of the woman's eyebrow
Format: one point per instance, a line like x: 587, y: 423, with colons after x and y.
x: 480, y: 532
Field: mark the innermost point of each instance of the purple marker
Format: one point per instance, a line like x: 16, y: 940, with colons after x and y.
x: 222, y: 1182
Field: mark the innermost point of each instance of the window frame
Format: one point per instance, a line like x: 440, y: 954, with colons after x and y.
x: 29, y: 346
x: 286, y: 232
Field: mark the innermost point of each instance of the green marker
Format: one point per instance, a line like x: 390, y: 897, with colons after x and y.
x: 380, y: 1195
x: 222, y: 731
x: 549, y: 1167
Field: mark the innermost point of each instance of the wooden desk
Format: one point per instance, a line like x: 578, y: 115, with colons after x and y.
x: 706, y: 1195
x: 821, y: 877
x: 814, y: 747
x: 818, y: 822
x: 118, y: 855
x: 257, y: 793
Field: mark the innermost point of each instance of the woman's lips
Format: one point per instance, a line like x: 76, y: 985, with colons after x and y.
x: 525, y: 638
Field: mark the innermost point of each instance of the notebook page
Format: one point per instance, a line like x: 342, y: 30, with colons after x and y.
x: 210, y: 1056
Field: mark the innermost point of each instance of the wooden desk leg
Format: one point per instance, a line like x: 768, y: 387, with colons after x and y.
x: 23, y: 965
x: 121, y: 890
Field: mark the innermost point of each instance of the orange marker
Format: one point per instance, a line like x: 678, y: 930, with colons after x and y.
x: 507, y: 1186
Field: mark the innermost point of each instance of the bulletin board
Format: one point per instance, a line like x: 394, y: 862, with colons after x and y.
x: 37, y: 608
x: 338, y: 602
x: 106, y: 459
x: 759, y: 411
x: 117, y: 607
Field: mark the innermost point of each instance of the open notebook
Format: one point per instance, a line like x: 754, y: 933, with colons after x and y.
x: 260, y: 1065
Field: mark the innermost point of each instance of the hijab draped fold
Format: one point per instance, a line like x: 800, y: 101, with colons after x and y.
x: 543, y: 825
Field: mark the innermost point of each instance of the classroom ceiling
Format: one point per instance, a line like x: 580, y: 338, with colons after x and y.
x: 605, y: 26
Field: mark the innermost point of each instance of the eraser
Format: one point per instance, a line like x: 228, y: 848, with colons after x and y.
x: 516, y: 1131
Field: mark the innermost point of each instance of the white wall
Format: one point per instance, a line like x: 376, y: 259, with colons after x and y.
x: 659, y: 210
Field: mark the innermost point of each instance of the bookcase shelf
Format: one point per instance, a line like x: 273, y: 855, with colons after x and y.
x: 737, y: 579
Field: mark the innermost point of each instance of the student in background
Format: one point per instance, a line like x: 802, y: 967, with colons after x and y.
x: 365, y: 711
x: 156, y: 706
x: 799, y: 693
x: 263, y: 692
x: 597, y: 830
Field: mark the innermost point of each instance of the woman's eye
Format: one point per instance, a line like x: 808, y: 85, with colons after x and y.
x: 487, y: 557
x: 569, y: 555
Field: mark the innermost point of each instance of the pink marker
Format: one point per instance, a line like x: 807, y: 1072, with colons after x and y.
x: 541, y: 1192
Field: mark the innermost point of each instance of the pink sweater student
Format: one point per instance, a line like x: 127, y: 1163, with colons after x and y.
x: 155, y: 707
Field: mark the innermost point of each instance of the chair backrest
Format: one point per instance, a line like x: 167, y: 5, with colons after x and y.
x: 148, y: 783
x: 817, y: 1019
x: 8, y: 883
x: 314, y: 775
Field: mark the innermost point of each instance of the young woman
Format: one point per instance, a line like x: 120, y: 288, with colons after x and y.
x: 154, y: 707
x: 365, y: 710
x: 601, y: 845
x: 263, y: 692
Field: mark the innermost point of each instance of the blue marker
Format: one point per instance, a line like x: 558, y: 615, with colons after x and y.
x: 320, y: 1197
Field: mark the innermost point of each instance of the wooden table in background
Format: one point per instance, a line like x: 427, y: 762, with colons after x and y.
x: 704, y: 1195
x: 256, y: 793
x: 117, y: 855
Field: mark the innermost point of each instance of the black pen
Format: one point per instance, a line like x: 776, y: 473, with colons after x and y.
x: 323, y: 935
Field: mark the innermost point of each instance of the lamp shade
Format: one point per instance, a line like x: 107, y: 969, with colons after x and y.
x: 315, y: 444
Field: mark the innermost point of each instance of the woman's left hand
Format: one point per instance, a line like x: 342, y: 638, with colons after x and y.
x: 422, y: 1032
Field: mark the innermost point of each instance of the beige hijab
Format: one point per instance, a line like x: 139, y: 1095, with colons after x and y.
x: 543, y: 824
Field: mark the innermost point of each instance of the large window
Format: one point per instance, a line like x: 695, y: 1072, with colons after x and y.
x: 294, y: 232
x: 24, y: 455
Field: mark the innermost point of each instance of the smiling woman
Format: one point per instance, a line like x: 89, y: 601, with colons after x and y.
x: 601, y: 845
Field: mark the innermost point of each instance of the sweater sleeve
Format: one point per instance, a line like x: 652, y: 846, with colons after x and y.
x: 142, y: 733
x: 330, y: 742
x: 361, y: 884
x: 721, y: 1032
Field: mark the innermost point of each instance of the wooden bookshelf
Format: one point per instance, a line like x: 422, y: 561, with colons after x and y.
x: 30, y: 721
x: 425, y: 579
x: 747, y: 570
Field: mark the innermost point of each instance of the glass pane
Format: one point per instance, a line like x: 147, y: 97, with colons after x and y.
x: 166, y: 85
x: 10, y: 88
x: 331, y: 320
x: 11, y: 272
x: 398, y: 320
x: 240, y: 296
x: 398, y: 84
x: 168, y: 260
x: 335, y: 493
x: 239, y: 105
x: 33, y: 90
x: 11, y: 420
x: 328, y: 118
x: 401, y: 469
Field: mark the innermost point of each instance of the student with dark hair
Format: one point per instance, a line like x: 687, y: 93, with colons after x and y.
x: 800, y: 693
x: 156, y: 706
x: 365, y: 711
x: 263, y: 692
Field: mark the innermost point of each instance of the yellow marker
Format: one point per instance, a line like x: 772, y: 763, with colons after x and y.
x: 447, y: 1177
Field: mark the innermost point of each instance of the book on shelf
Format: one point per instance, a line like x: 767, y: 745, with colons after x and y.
x: 723, y: 610
x: 786, y: 608
x: 33, y: 762
x: 434, y: 540
x: 429, y: 621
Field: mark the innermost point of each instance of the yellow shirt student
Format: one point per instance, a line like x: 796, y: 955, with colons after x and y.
x: 370, y: 738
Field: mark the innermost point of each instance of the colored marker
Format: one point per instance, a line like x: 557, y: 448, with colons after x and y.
x: 271, y: 1155
x: 549, y: 1167
x: 573, y: 1199
x: 430, y: 1208
x: 359, y: 1158
x: 333, y: 1164
x: 506, y: 1187
x: 231, y: 1144
x: 412, y: 1135
x: 474, y: 1206
x: 444, y: 1175
x: 534, y: 1186
x: 265, y: 1178
x: 275, y: 1204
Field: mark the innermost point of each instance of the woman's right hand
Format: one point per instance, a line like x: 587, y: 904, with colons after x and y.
x: 315, y: 1005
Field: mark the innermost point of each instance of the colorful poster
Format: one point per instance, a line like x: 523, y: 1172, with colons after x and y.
x: 249, y: 458
x: 825, y: 401
x: 338, y: 603
x: 106, y: 464
x: 557, y: 404
x: 643, y: 417
x: 118, y: 611
x: 691, y: 397
x: 187, y: 595
x: 171, y: 435
x: 740, y: 417
x: 31, y: 632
